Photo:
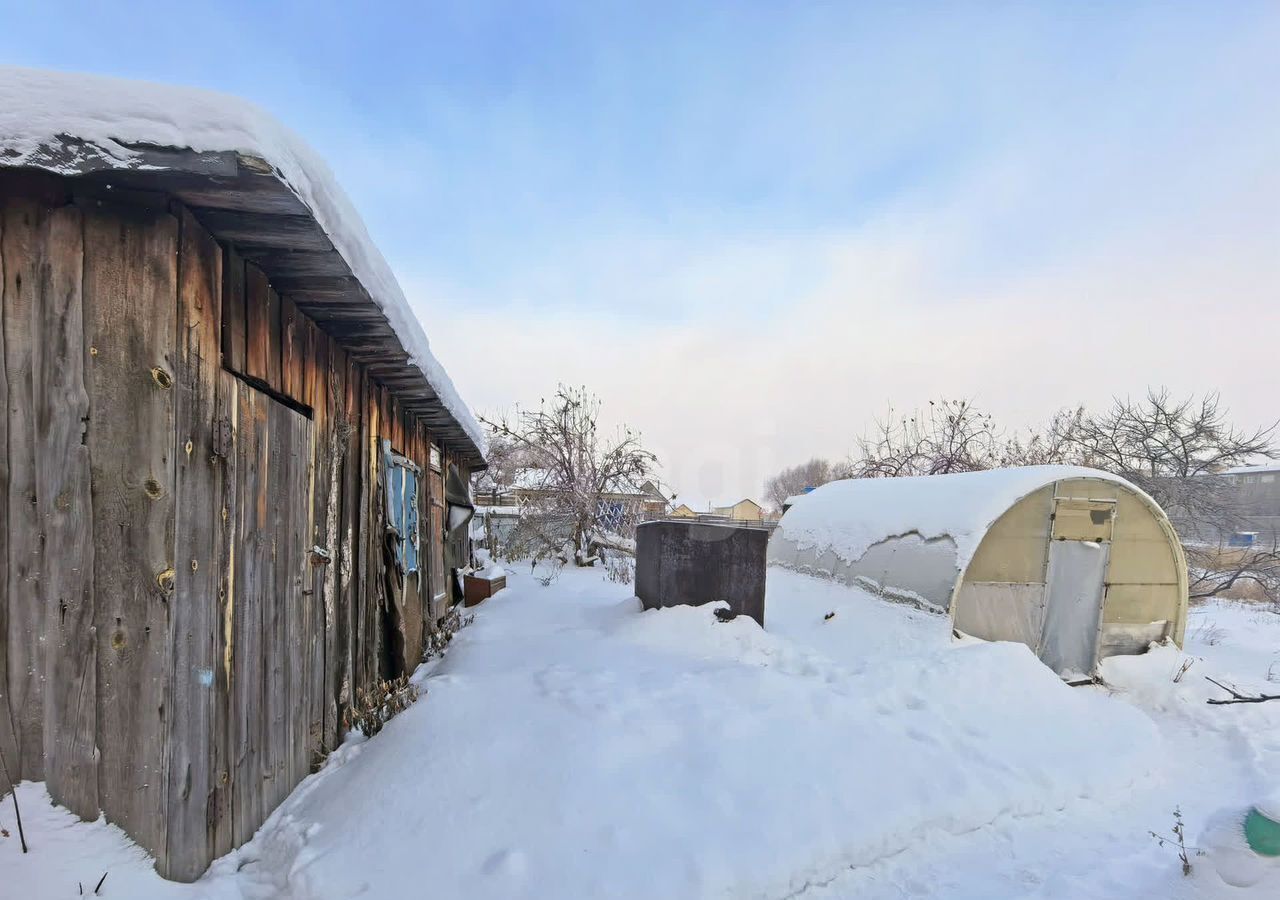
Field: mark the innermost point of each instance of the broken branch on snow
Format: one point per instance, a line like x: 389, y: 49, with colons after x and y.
x: 1237, y: 697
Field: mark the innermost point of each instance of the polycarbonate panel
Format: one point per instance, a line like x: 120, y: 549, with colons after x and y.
x: 1073, y: 606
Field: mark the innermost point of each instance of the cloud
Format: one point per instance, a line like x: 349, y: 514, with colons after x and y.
x: 1035, y: 280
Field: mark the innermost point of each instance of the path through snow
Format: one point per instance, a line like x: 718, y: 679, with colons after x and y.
x: 572, y: 746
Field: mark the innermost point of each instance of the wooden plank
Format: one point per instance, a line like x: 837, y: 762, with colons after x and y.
x: 8, y: 738
x: 374, y: 604
x: 274, y: 599
x: 300, y: 232
x: 302, y: 263
x: 250, y: 552
x: 282, y: 499
x: 130, y: 282
x: 235, y: 324
x: 293, y: 352
x: 397, y: 425
x: 195, y: 622
x: 224, y: 731
x: 47, y: 189
x: 23, y: 236
x: 338, y: 664
x: 434, y: 541
x: 365, y: 651
x: 348, y: 538
x: 65, y: 507
x: 275, y: 344
x: 322, y: 390
x: 360, y: 549
x: 258, y: 328
x: 249, y: 195
x: 319, y: 289
x: 301, y: 633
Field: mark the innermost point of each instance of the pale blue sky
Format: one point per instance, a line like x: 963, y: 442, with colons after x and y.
x: 751, y: 226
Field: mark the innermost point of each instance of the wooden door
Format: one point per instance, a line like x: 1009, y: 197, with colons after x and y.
x: 434, y: 538
x: 271, y: 623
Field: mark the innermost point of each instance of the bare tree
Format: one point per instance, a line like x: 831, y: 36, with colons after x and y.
x: 814, y: 473
x: 946, y: 436
x: 506, y: 458
x: 1048, y: 446
x: 1173, y: 450
x: 1214, y: 569
x: 567, y: 470
x: 1158, y: 438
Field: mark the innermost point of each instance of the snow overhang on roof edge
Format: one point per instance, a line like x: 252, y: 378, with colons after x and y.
x: 208, y: 147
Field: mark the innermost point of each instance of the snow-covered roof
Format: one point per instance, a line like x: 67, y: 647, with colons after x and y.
x: 725, y: 510
x: 75, y: 125
x: 850, y: 516
x: 1252, y: 470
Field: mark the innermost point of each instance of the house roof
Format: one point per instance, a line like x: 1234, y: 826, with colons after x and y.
x: 1252, y: 470
x: 255, y: 184
x: 740, y: 502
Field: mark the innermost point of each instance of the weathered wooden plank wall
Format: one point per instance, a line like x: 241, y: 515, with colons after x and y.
x: 246, y: 590
x: 23, y: 223
x: 130, y: 287
x: 181, y: 437
x: 196, y: 637
x: 8, y: 739
x: 65, y: 506
x: 234, y: 321
x: 350, y: 534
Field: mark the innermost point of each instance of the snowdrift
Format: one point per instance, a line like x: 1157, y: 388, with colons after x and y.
x: 573, y: 748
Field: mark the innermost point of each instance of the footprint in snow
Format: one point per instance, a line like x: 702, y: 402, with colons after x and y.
x: 509, y: 864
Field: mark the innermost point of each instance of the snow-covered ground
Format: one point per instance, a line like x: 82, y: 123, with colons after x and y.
x: 571, y: 746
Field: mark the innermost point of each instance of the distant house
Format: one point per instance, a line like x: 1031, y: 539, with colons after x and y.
x: 640, y: 502
x: 234, y: 483
x: 745, y: 510
x: 683, y: 512
x: 1255, y: 498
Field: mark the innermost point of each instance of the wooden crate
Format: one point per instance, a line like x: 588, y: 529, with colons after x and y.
x: 476, y: 589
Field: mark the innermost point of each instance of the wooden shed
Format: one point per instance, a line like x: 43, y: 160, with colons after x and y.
x: 224, y: 505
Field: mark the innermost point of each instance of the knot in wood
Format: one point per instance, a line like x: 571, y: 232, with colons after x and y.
x: 166, y: 580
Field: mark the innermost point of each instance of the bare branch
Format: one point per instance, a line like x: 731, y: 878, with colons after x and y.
x: 570, y: 474
x: 794, y: 480
x: 1237, y: 697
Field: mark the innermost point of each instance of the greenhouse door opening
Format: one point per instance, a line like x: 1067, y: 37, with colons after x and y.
x: 1073, y: 606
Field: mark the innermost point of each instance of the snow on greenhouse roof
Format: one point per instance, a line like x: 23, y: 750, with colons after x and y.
x: 73, y: 124
x: 850, y: 516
